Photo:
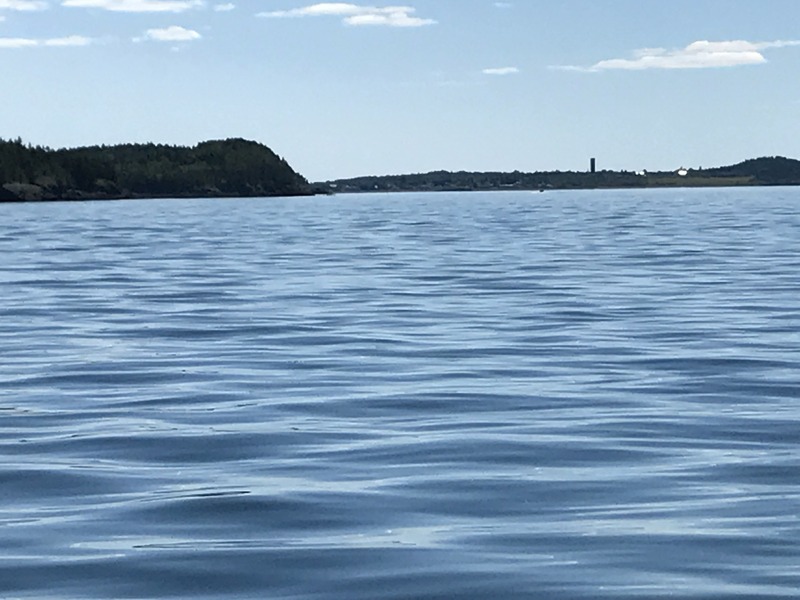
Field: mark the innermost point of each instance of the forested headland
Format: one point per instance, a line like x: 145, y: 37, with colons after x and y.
x: 775, y: 170
x: 220, y: 168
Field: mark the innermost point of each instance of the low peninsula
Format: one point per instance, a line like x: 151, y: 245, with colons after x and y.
x: 770, y: 171
x: 217, y: 168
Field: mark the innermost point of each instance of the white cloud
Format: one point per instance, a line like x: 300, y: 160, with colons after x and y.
x: 357, y: 15
x: 72, y: 40
x: 697, y: 55
x: 316, y: 10
x: 501, y: 71
x: 136, y: 6
x: 17, y: 43
x: 224, y: 7
x: 401, y: 17
x: 23, y: 5
x: 169, y: 34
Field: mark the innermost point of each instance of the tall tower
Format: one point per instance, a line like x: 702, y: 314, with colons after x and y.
x: 592, y: 165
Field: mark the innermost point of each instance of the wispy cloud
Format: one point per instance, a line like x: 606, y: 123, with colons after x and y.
x: 356, y: 14
x: 23, y: 5
x: 697, y: 55
x: 224, y: 7
x: 17, y: 43
x: 72, y: 40
x: 501, y: 71
x: 175, y: 33
x: 136, y: 6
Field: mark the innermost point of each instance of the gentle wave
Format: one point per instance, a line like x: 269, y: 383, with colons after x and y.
x: 561, y: 395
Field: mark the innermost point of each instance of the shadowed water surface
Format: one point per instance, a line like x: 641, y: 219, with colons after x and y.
x: 562, y: 395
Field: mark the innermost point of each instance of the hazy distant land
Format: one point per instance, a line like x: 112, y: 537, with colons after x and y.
x: 760, y: 171
x: 242, y: 168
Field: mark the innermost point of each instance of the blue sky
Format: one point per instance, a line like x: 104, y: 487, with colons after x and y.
x: 345, y: 89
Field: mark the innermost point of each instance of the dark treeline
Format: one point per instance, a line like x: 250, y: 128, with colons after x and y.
x: 237, y: 167
x: 233, y: 167
x: 492, y: 180
x: 773, y: 170
x: 760, y: 171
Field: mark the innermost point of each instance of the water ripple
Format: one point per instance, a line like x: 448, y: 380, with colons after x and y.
x: 569, y: 395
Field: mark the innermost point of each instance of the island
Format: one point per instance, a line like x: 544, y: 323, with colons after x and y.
x: 217, y: 168
x: 771, y: 171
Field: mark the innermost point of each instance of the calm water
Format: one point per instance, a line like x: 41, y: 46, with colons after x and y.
x: 560, y: 395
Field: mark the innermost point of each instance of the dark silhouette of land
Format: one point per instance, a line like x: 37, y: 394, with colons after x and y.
x: 760, y: 171
x: 242, y: 168
x: 233, y: 167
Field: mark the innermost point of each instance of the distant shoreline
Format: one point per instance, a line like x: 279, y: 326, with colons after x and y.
x: 383, y: 192
x: 238, y: 168
x: 759, y: 172
x: 684, y: 185
x: 84, y: 197
x: 89, y: 198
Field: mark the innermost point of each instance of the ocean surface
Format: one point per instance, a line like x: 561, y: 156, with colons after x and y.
x: 566, y: 395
